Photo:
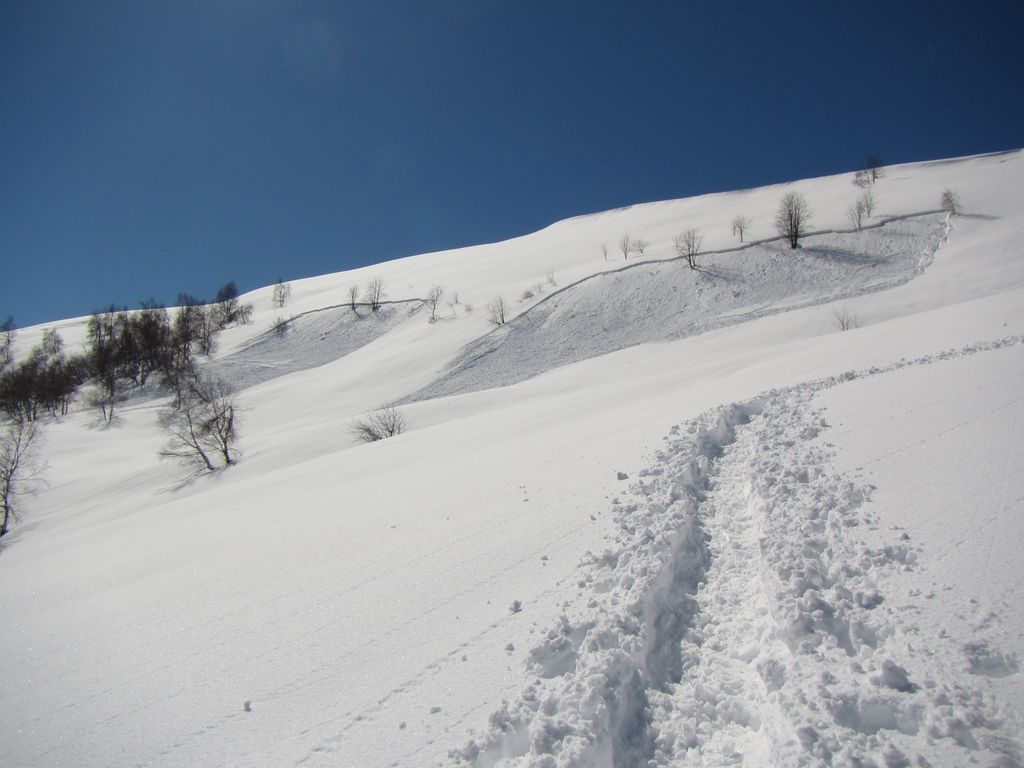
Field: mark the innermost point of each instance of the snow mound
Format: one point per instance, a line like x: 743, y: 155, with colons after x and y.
x: 663, y: 300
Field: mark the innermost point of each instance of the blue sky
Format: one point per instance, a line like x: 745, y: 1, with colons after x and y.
x: 149, y: 148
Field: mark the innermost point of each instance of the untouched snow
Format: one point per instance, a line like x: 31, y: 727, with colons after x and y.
x: 815, y: 566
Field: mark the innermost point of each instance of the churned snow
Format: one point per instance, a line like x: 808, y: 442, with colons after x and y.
x: 662, y: 517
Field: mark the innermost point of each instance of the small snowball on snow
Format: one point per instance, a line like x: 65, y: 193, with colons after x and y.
x: 516, y: 606
x: 247, y: 706
x: 434, y: 710
x: 622, y: 476
x: 401, y: 726
x: 509, y: 647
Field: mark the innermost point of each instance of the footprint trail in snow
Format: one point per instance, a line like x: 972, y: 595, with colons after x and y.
x: 741, y: 619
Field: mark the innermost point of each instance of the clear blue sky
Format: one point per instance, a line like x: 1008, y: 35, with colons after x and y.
x: 151, y: 147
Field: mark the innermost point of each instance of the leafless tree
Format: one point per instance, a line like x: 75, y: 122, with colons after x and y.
x: 282, y: 292
x: 206, y: 342
x: 228, y: 309
x: 950, y: 201
x: 625, y: 245
x: 374, y: 294
x: 844, y: 320
x: 353, y: 297
x: 19, y: 442
x: 387, y: 421
x: 434, y: 295
x: 105, y: 334
x: 793, y: 218
x: 740, y: 224
x: 640, y: 245
x: 688, y: 244
x: 496, y: 311
x: 604, y: 250
x: 868, y: 201
x: 862, y: 179
x: 7, y: 342
x: 874, y: 166
x: 202, y: 425
x: 550, y: 277
x: 855, y: 213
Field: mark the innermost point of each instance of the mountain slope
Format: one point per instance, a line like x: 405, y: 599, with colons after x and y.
x: 360, y: 598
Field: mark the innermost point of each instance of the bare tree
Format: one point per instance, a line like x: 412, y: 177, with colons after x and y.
x: 740, y: 224
x: 793, y: 218
x: 19, y: 441
x: 855, y: 213
x: 105, y: 334
x: 862, y: 179
x: 353, y: 297
x: 550, y: 277
x: 950, y: 201
x: 7, y: 342
x: 202, y: 425
x: 874, y: 167
x: 688, y: 244
x: 604, y: 250
x: 625, y: 245
x: 387, y: 421
x: 229, y: 310
x: 282, y: 292
x: 640, y: 245
x: 844, y: 320
x: 374, y: 294
x: 868, y: 201
x: 496, y: 311
x: 434, y: 295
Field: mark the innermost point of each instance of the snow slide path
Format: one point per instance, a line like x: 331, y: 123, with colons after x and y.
x: 740, y: 619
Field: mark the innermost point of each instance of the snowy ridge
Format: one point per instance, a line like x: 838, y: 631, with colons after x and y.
x: 658, y: 300
x: 737, y: 618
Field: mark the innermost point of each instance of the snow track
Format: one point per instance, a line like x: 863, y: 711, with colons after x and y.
x: 740, y: 618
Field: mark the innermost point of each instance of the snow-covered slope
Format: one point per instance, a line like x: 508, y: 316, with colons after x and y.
x: 725, y: 549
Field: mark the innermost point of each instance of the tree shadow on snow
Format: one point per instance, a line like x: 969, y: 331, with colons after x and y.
x: 725, y: 274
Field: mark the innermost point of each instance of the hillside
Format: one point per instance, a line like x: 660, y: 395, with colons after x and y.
x: 661, y: 514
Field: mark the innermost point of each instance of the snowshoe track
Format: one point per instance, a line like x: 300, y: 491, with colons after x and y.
x: 737, y: 619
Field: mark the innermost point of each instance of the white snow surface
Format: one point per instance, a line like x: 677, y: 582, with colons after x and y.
x: 662, y: 517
